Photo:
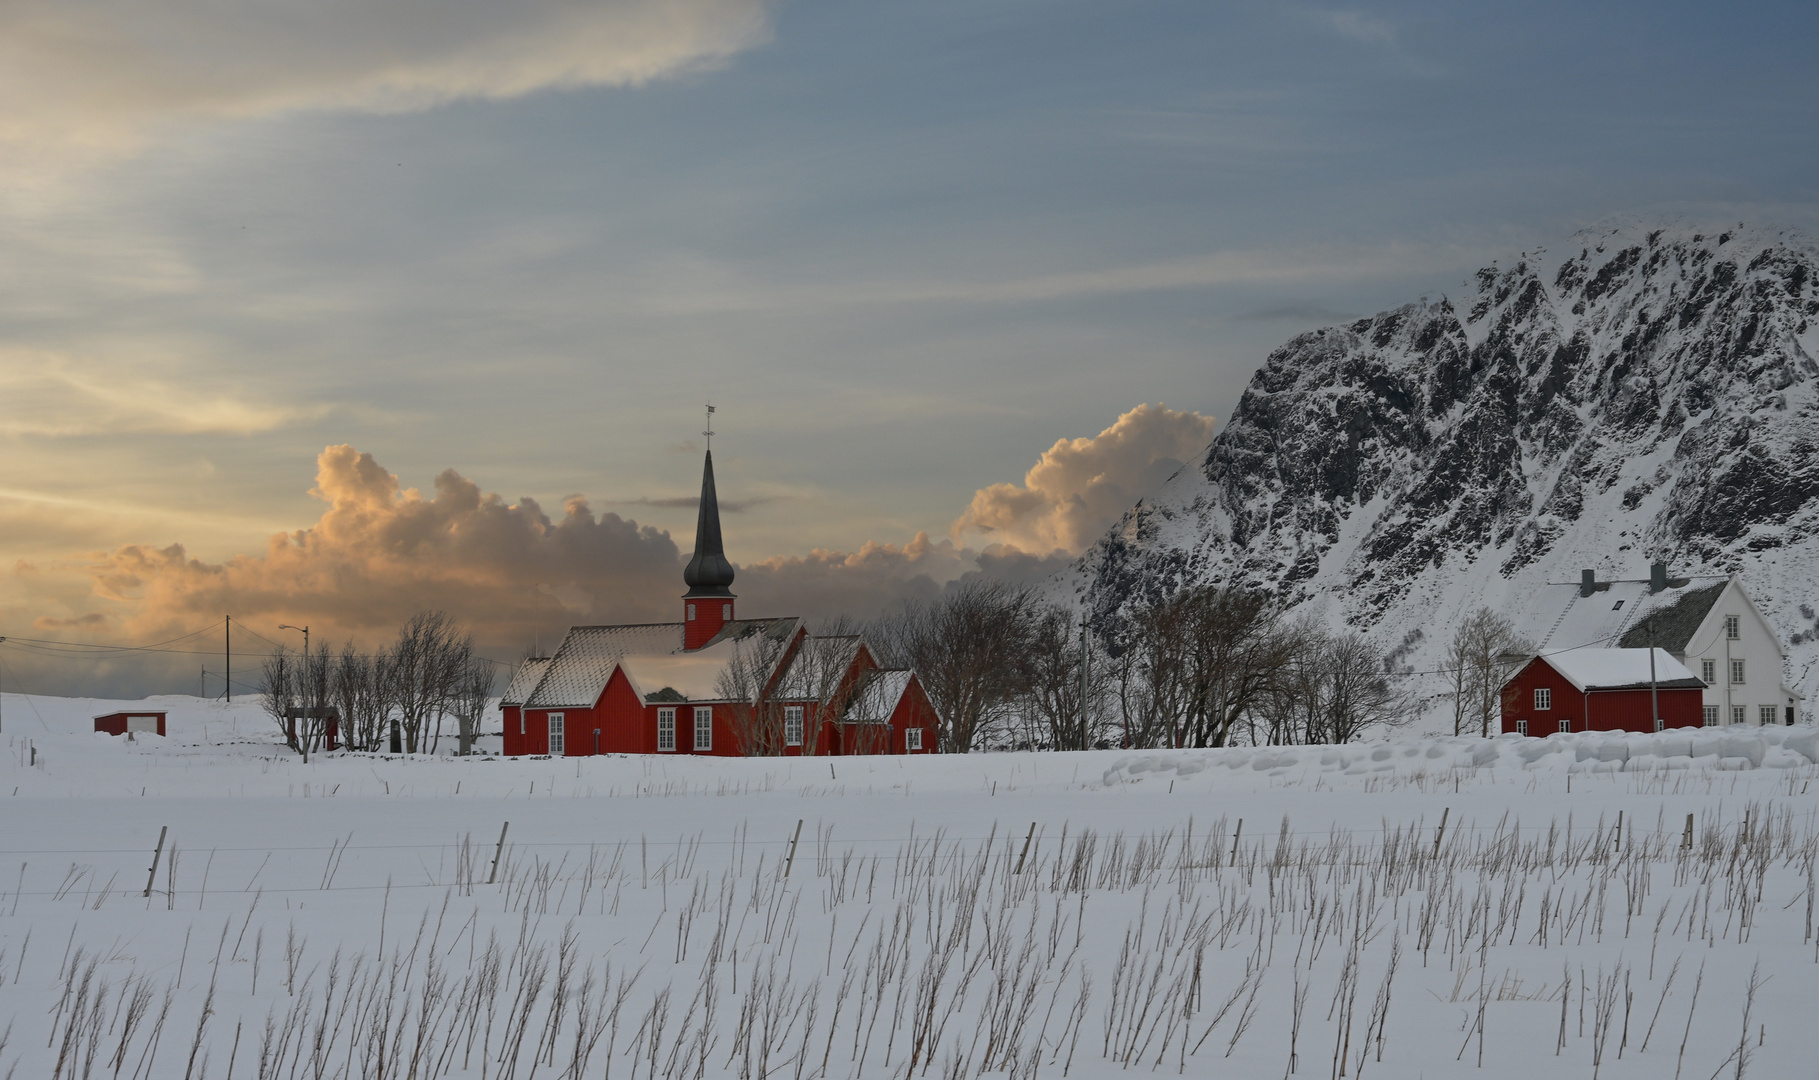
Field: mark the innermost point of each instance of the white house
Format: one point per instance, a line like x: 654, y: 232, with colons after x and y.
x: 1710, y: 624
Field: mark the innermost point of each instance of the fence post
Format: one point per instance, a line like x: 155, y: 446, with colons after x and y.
x: 1686, y: 842
x: 498, y: 851
x: 1026, y: 847
x: 1440, y: 833
x: 1236, y: 833
x: 792, y: 848
x: 157, y: 853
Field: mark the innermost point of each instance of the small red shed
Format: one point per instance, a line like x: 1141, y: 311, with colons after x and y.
x: 1602, y: 690
x: 119, y: 723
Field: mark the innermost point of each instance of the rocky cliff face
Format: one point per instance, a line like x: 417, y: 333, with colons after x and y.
x: 1643, y: 393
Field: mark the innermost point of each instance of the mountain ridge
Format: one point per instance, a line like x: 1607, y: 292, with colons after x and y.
x: 1648, y: 394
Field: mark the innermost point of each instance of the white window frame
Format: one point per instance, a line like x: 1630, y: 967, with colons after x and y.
x: 558, y: 735
x: 1544, y: 698
x: 1736, y: 673
x: 666, y: 731
x: 1710, y: 716
x: 1733, y: 627
x: 1768, y: 715
x: 704, y: 728
x: 1522, y: 727
x: 1660, y: 724
x: 1739, y: 714
x: 726, y: 611
x: 792, y: 725
x: 1708, y: 672
x: 691, y: 613
x: 912, y: 738
x: 1566, y: 723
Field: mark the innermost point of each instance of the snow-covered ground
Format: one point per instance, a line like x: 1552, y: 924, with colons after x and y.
x: 1237, y: 912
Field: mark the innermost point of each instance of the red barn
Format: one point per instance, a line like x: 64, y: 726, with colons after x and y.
x: 712, y: 683
x: 119, y: 723
x: 1602, y: 690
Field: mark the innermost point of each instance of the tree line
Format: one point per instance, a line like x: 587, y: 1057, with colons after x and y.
x: 401, y: 697
x: 1210, y: 666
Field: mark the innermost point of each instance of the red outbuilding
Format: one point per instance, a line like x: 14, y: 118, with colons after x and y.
x: 714, y: 684
x: 1602, y: 690
x: 119, y: 723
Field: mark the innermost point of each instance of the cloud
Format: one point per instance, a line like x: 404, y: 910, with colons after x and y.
x: 1081, y: 486
x: 692, y: 502
x: 105, y: 71
x: 380, y: 552
x: 47, y: 393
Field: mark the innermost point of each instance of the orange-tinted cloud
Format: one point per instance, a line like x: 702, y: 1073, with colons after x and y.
x: 1081, y: 486
x: 511, y: 572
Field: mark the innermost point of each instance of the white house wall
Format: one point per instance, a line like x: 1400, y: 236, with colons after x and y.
x: 1763, y: 661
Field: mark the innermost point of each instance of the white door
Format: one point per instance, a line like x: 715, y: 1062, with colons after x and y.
x: 555, y: 734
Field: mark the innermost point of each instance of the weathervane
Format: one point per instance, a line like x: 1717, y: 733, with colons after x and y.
x: 710, y: 428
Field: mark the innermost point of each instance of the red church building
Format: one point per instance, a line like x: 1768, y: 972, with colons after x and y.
x: 713, y: 683
x: 1602, y: 690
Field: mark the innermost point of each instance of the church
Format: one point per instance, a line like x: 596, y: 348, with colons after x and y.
x: 713, y: 683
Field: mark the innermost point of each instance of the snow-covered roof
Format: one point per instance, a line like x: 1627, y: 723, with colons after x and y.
x: 1557, y: 617
x: 1614, y: 669
x: 820, y: 661
x: 654, y: 660
x: 877, y: 696
x: 524, y: 680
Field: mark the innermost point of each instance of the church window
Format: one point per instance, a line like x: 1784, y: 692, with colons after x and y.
x: 666, y: 729
x: 704, y: 728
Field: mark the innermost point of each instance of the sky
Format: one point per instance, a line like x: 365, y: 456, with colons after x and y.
x: 322, y: 313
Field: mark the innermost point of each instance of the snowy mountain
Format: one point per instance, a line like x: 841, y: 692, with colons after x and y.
x: 1646, y: 393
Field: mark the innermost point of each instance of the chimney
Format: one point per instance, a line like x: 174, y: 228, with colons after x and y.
x: 1588, y: 582
x: 1657, y: 577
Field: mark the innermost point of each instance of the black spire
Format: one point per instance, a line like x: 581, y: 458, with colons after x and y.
x: 708, y: 573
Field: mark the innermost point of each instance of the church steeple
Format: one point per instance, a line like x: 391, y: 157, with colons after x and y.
x: 708, y: 604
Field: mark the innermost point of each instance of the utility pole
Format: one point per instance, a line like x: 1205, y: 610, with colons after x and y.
x: 302, y: 740
x: 227, y: 652
x: 2, y: 642
x: 1654, y: 698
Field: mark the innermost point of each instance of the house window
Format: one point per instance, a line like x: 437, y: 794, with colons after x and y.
x: 1660, y: 723
x: 1708, y: 670
x: 1522, y: 727
x: 691, y: 613
x: 792, y: 725
x: 1566, y: 723
x: 1730, y: 627
x: 1736, y: 714
x: 1618, y: 606
x: 1736, y: 671
x: 666, y: 730
x: 555, y: 734
x: 1711, y: 714
x: 1544, y: 698
x: 726, y: 611
x: 704, y: 728
x: 1767, y: 715
x: 912, y: 738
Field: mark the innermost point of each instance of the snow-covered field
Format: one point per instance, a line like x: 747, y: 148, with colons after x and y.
x: 1035, y: 914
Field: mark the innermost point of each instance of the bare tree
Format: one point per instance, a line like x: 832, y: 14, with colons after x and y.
x: 279, y: 688
x: 968, y: 647
x: 1332, y: 688
x: 1484, y: 653
x: 1063, y: 708
x: 425, y: 664
x: 747, y: 680
x: 360, y: 691
x: 473, y: 688
x: 1203, y: 661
